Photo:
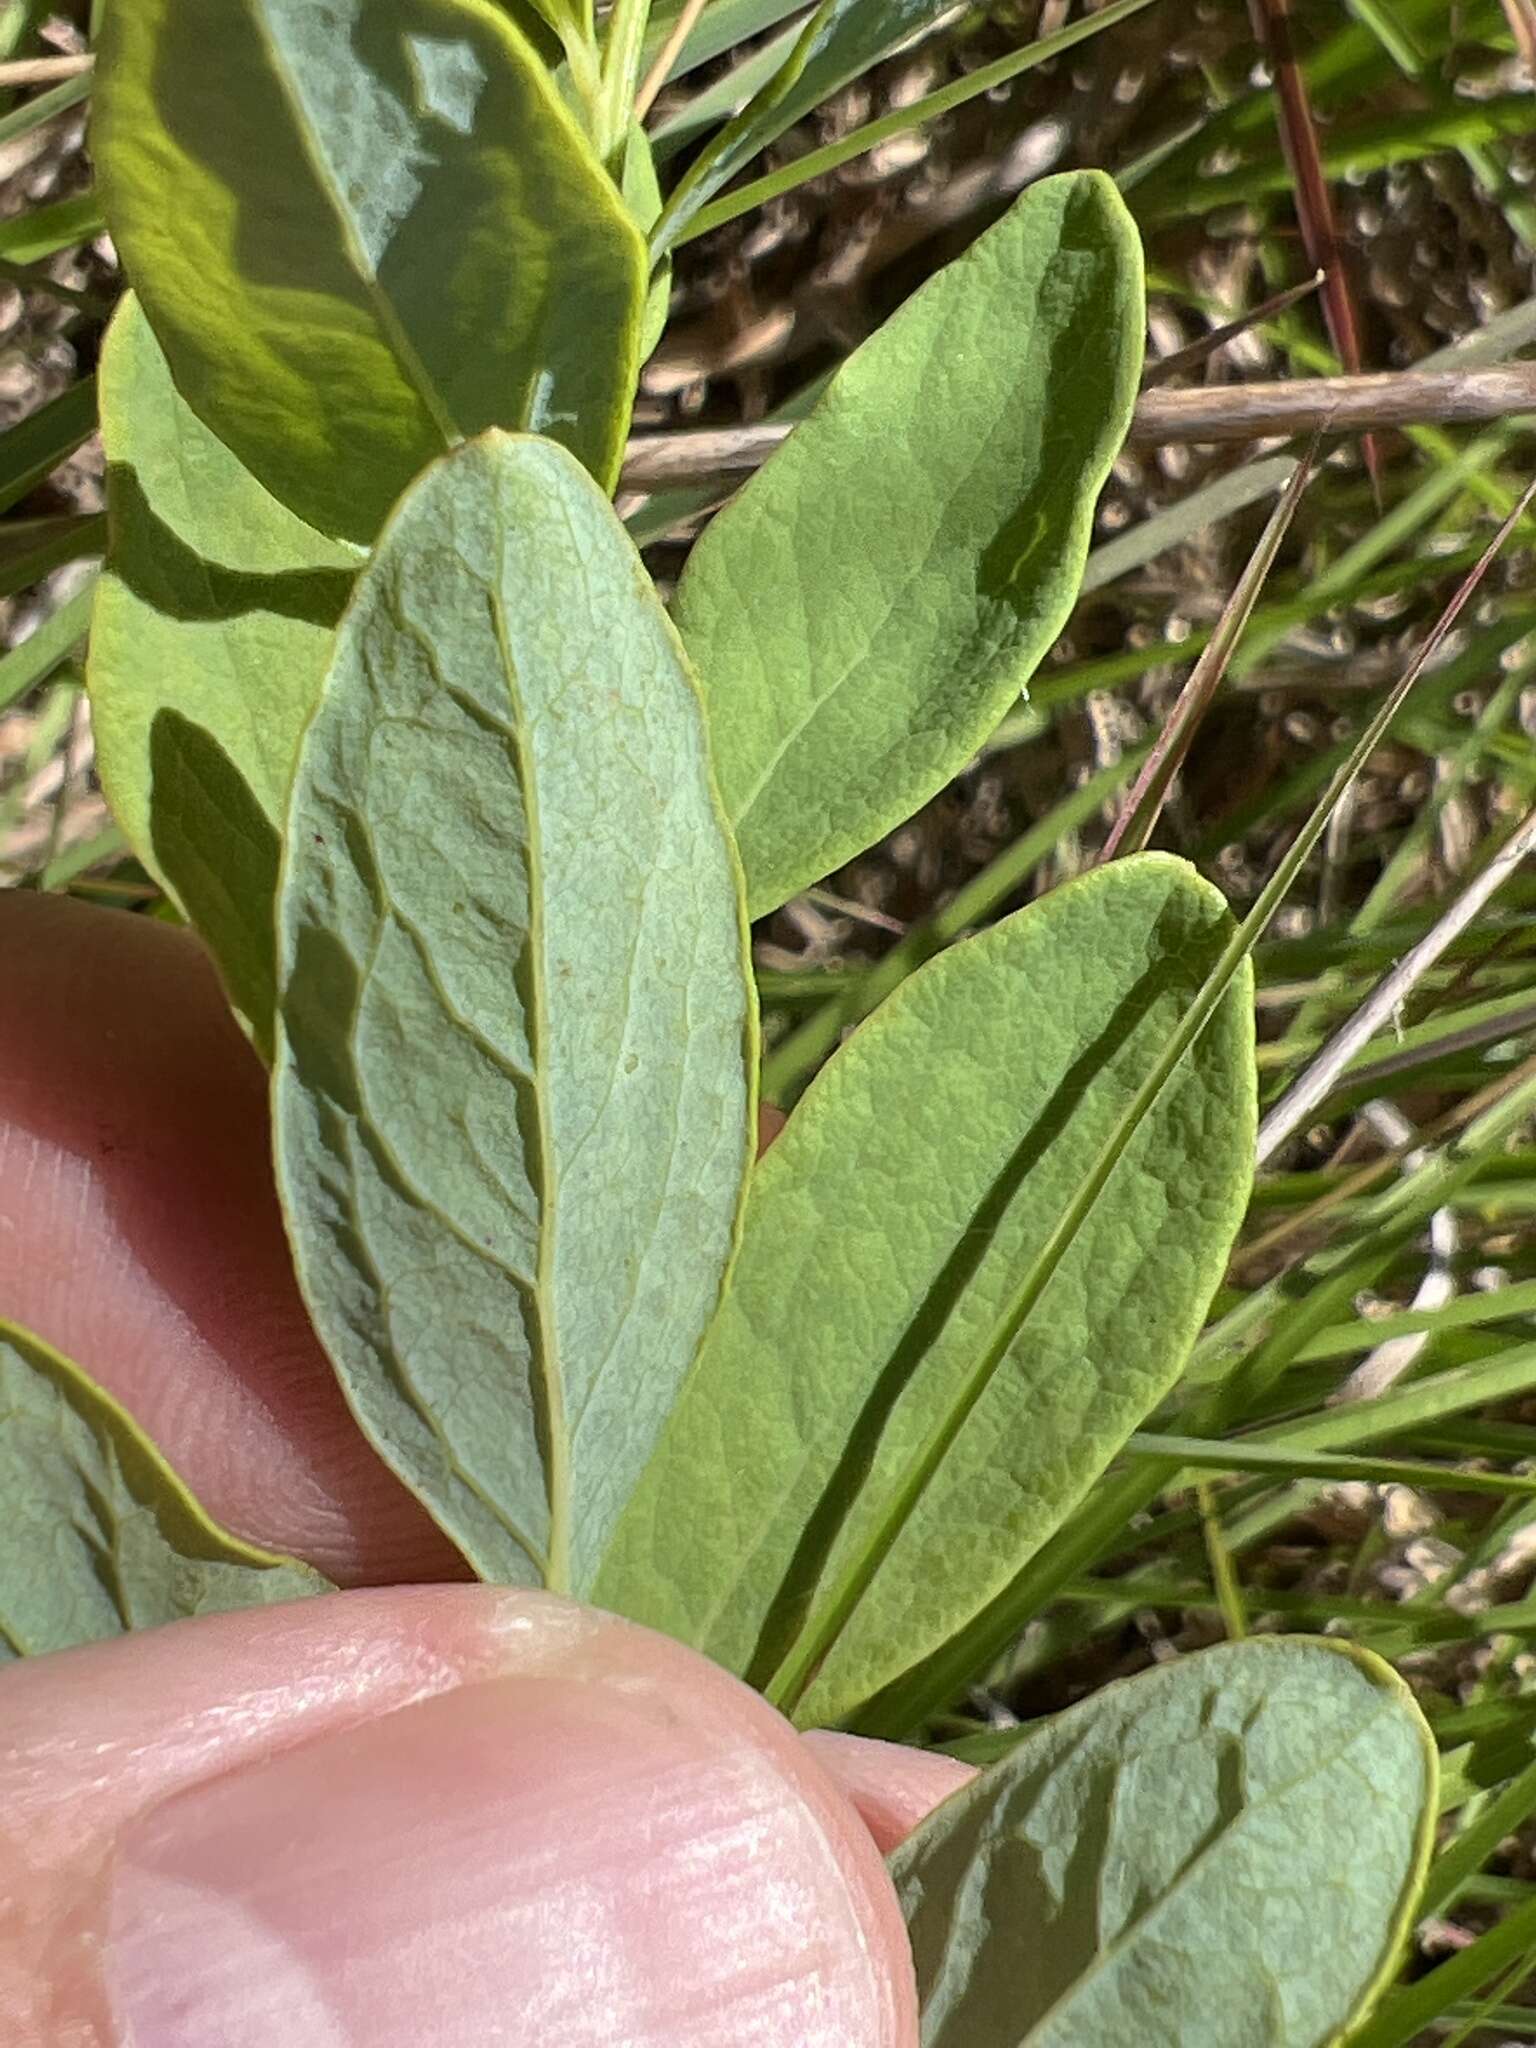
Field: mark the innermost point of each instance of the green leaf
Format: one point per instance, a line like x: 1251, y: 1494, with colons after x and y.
x: 44, y: 230
x: 101, y: 1536
x: 874, y: 601
x: 212, y: 629
x: 363, y: 233
x: 35, y: 446
x: 642, y: 195
x: 1220, y: 1852
x: 885, y: 1237
x: 512, y: 1103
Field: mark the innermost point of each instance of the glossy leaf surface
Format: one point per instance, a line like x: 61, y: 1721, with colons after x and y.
x: 887, y: 1231
x: 1224, y: 1851
x: 511, y: 1095
x: 212, y: 629
x: 101, y: 1536
x: 363, y: 233
x: 866, y: 610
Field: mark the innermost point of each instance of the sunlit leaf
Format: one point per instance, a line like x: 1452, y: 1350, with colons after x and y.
x: 885, y: 1236
x: 875, y: 600
x: 362, y: 233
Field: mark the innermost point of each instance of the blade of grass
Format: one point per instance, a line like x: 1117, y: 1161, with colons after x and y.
x: 53, y: 642
x: 1174, y: 365
x: 1134, y: 827
x: 1468, y: 1311
x: 1240, y: 1454
x: 1408, y: 2012
x: 1386, y: 999
x: 1507, y: 1810
x: 33, y: 548
x: 47, y: 229
x: 35, y: 446
x: 818, y: 162
x: 1229, y: 1593
x: 33, y: 113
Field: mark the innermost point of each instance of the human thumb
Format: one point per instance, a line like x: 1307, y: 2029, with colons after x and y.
x: 427, y: 1815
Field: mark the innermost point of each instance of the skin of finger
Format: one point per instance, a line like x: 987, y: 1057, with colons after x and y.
x: 140, y: 1235
x: 101, y: 1748
x: 892, y: 1788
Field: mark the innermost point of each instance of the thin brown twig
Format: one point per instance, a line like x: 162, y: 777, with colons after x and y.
x: 1228, y: 412
x: 44, y: 70
x: 666, y: 57
x: 1314, y: 201
x: 1166, y: 368
x: 1139, y: 813
x: 1317, y: 1083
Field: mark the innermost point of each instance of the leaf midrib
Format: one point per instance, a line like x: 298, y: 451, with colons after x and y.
x: 550, y: 1375
x: 384, y: 312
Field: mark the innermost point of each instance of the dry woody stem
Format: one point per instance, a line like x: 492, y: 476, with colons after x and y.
x: 1227, y: 412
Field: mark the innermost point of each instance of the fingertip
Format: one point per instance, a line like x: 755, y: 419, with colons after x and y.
x: 140, y: 1235
x: 399, y: 1816
x: 892, y: 1787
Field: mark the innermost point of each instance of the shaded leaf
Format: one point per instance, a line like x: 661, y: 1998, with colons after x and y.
x: 511, y: 1094
x: 867, y: 609
x: 212, y: 629
x: 101, y: 1536
x: 885, y: 1235
x: 363, y: 233
x: 1235, y: 1839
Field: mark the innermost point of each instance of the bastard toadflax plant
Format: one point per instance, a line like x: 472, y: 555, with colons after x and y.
x: 473, y: 825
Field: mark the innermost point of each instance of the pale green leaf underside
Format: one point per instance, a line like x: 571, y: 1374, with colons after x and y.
x: 1223, y: 1852
x: 212, y: 629
x: 362, y: 233
x: 511, y: 1092
x: 873, y: 602
x: 101, y: 1536
x: 884, y: 1234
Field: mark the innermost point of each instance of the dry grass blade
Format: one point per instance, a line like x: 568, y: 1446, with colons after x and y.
x: 666, y: 57
x: 44, y: 70
x: 1166, y: 368
x: 1521, y: 16
x: 1381, y: 1004
x: 1139, y: 814
x: 1314, y: 202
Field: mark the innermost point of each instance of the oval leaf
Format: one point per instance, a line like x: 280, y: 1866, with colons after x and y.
x: 211, y: 632
x: 1222, y: 1851
x: 867, y: 609
x: 511, y: 1095
x: 363, y: 233
x: 886, y: 1232
x: 101, y: 1536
